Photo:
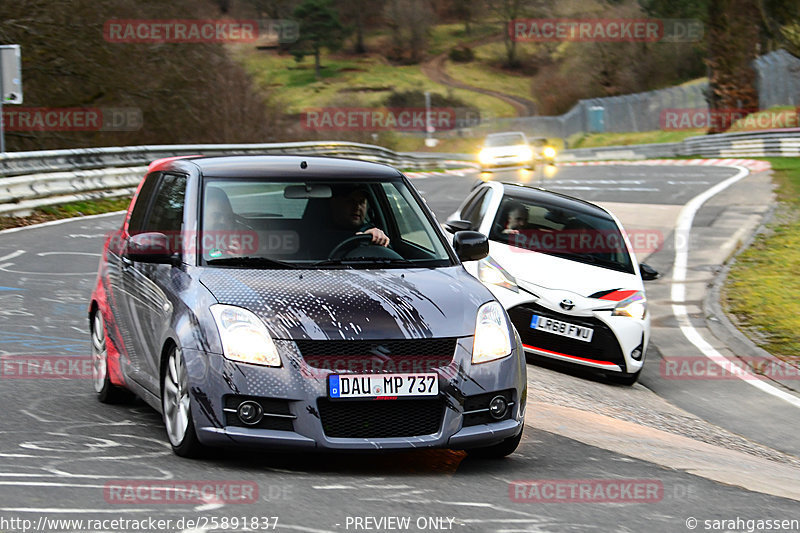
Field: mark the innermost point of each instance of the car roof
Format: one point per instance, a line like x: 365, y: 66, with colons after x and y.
x: 253, y: 166
x: 553, y: 198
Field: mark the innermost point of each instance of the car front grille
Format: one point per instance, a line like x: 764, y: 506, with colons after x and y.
x: 379, y: 356
x: 380, y: 418
x: 603, y: 347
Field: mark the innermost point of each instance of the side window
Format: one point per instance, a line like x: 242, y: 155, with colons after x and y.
x: 139, y: 213
x: 471, y: 202
x: 476, y: 211
x: 166, y: 215
x: 409, y: 221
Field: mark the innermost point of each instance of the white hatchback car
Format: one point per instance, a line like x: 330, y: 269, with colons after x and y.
x: 566, y: 272
x: 508, y: 149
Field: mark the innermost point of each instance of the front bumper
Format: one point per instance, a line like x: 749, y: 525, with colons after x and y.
x: 506, y: 161
x: 619, y: 344
x: 297, y: 393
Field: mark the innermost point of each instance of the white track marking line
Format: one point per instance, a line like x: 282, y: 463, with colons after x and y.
x: 678, y: 291
x: 12, y: 255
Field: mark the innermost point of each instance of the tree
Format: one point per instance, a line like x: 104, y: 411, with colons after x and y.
x: 409, y: 21
x: 507, y: 11
x: 360, y: 11
x: 733, y: 45
x: 319, y: 28
x: 781, y: 21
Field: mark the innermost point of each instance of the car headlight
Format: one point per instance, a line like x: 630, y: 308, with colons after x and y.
x: 491, y: 272
x: 525, y: 153
x: 485, y: 156
x: 549, y: 152
x: 244, y: 336
x: 635, y: 306
x: 492, y: 339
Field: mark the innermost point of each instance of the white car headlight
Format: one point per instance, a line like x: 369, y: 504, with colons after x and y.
x: 485, y: 156
x: 635, y: 306
x: 492, y: 339
x: 244, y: 336
x: 491, y: 272
x: 525, y: 153
x: 549, y: 152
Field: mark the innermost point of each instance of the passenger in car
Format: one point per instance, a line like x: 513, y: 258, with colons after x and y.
x: 516, y: 218
x: 222, y: 231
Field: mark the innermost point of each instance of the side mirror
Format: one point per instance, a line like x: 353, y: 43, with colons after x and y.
x: 647, y: 272
x: 471, y: 245
x: 454, y: 226
x: 151, y: 247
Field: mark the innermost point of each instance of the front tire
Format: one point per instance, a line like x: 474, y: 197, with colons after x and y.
x: 106, y: 391
x: 624, y: 379
x: 497, y: 451
x: 176, y: 406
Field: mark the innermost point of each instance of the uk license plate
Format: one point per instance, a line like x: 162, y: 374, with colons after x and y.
x: 386, y: 385
x: 558, y: 327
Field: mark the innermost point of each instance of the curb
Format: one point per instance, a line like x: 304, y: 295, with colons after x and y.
x: 721, y: 326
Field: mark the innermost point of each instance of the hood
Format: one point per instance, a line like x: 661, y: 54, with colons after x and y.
x: 542, y: 273
x: 354, y: 304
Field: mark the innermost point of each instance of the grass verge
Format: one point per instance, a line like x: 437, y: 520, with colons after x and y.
x: 594, y: 140
x: 349, y: 82
x: 70, y: 210
x: 761, y: 291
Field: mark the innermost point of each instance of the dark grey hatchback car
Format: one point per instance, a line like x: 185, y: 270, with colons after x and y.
x: 300, y: 303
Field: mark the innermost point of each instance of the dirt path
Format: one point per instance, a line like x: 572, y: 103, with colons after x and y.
x: 434, y: 68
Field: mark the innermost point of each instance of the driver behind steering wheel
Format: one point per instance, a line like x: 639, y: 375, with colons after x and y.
x: 348, y: 210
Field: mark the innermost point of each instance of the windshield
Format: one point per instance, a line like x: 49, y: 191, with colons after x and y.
x: 507, y: 139
x: 572, y: 234
x: 316, y: 223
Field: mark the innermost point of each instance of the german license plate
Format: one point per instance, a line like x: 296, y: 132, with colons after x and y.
x: 565, y: 329
x: 392, y: 385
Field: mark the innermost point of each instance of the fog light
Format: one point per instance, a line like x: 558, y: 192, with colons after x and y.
x: 636, y: 354
x: 250, y: 412
x: 498, y: 407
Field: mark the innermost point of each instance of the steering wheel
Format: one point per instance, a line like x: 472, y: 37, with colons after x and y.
x: 351, y: 243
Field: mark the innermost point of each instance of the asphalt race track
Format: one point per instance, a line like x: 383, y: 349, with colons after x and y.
x: 683, y: 452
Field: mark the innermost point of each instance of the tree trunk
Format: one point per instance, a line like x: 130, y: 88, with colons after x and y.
x: 360, y: 48
x: 732, y: 46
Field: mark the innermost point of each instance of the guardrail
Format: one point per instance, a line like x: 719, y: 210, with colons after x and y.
x: 36, y: 179
x: 769, y: 143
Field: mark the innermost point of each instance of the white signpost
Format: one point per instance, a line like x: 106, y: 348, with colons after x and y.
x: 10, y: 82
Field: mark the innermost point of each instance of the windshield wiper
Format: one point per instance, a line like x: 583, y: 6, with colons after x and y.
x: 593, y: 259
x: 349, y: 261
x: 249, y: 261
